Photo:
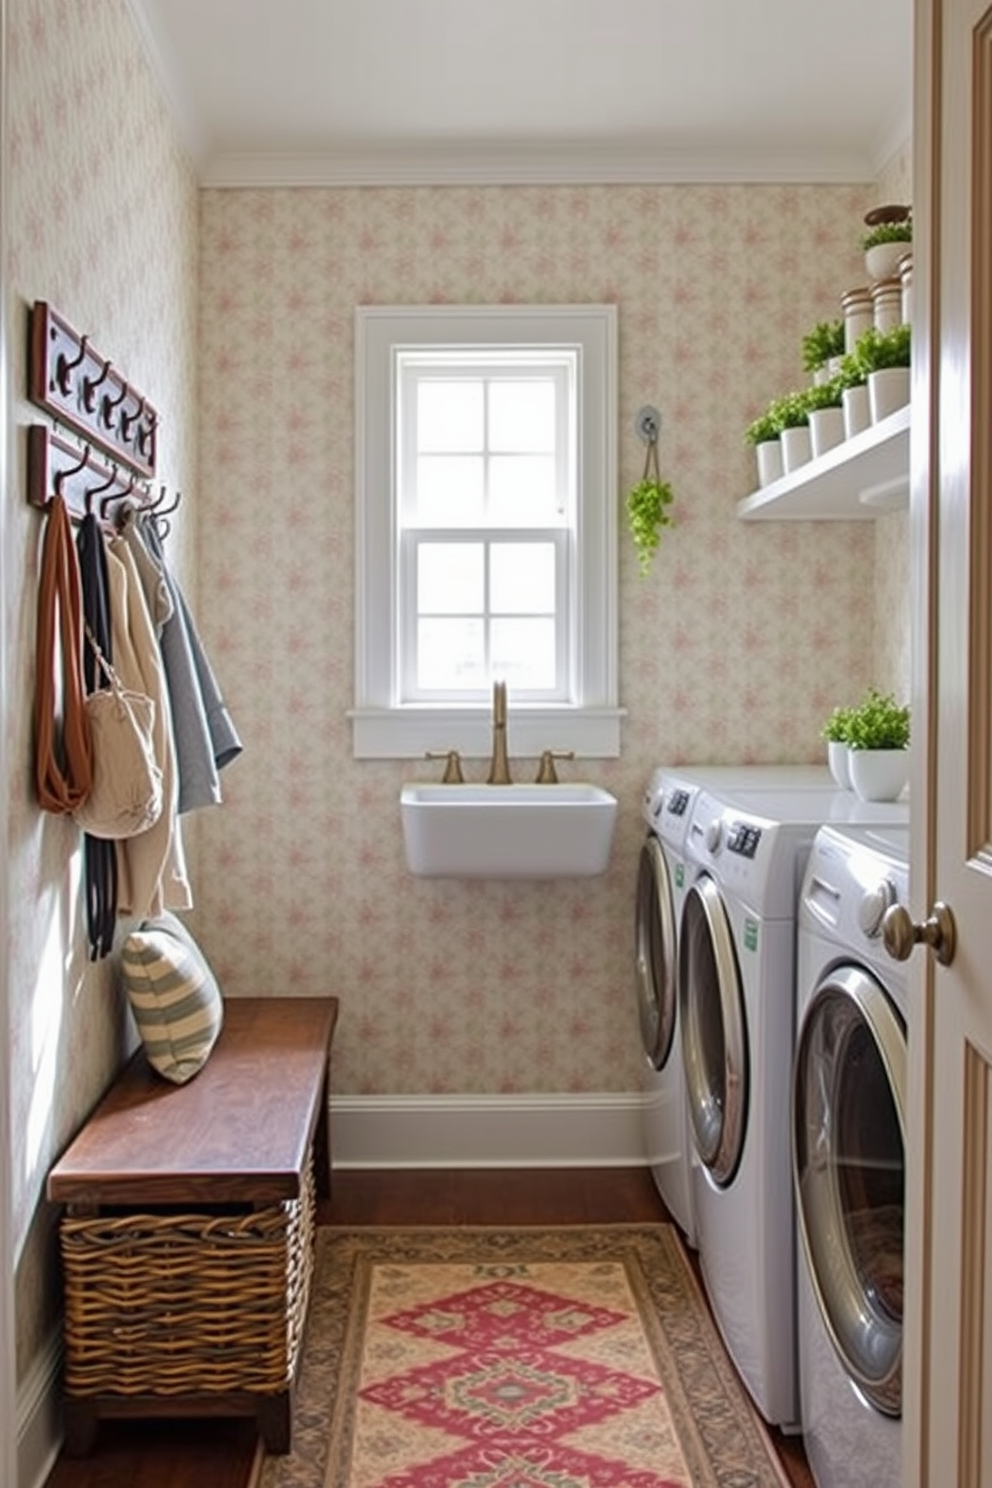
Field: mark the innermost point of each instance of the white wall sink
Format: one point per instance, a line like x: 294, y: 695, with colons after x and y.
x: 507, y: 831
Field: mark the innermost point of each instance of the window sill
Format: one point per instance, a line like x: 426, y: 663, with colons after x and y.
x: 409, y: 732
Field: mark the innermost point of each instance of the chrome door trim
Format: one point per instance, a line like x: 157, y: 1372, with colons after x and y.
x: 655, y: 985
x: 719, y: 1117
x: 865, y: 1336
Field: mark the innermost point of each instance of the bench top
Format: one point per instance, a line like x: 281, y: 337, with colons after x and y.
x: 238, y: 1132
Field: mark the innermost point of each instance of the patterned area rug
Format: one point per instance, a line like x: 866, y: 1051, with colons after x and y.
x: 524, y: 1358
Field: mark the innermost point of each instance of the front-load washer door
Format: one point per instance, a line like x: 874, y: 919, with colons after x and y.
x: 714, y: 1031
x: 655, y: 933
x: 848, y: 1149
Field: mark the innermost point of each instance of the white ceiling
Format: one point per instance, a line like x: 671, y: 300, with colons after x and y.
x: 344, y: 91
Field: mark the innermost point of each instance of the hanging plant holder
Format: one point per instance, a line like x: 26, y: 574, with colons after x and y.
x: 648, y: 502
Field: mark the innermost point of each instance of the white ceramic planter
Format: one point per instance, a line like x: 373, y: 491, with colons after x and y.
x: 838, y: 760
x: 769, y: 456
x: 878, y: 774
x: 888, y: 389
x: 856, y: 406
x: 796, y: 448
x: 882, y: 261
x: 826, y: 428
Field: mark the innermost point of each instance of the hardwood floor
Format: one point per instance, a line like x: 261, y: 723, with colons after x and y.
x: 225, y: 1455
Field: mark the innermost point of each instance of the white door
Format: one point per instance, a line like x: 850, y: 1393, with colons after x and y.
x: 948, y: 1386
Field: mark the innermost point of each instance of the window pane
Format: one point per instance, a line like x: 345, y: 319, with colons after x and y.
x: 522, y: 578
x: 451, y: 655
x: 449, y: 415
x: 524, y: 652
x: 450, y: 578
x: 522, y: 415
x: 522, y: 491
x: 449, y: 490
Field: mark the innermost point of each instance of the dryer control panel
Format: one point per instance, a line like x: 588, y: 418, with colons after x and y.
x: 743, y: 838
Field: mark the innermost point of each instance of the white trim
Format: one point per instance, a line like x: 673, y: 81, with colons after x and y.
x: 581, y: 163
x: 487, y: 1131
x: 39, y: 1415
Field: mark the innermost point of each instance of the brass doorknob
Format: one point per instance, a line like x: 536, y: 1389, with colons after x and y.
x: 900, y: 933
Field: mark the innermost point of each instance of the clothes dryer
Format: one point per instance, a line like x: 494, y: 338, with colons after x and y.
x: 746, y: 853
x: 848, y: 1143
x: 661, y: 880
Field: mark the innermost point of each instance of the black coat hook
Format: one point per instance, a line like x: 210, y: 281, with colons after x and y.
x: 64, y: 369
x: 90, y: 385
x: 63, y: 475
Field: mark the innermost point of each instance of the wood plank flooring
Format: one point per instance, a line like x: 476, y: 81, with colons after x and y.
x: 225, y: 1454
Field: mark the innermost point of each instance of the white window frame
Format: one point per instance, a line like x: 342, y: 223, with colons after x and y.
x: 383, y: 726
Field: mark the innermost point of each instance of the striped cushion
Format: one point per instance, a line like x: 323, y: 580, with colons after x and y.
x: 174, y: 997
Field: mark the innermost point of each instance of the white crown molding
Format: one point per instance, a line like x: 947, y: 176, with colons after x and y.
x: 581, y: 163
x: 487, y: 1131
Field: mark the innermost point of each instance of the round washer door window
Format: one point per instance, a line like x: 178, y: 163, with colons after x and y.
x: 714, y: 1031
x: 655, y: 953
x: 849, y: 1170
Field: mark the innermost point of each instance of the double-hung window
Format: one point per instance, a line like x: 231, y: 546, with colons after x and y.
x: 486, y: 515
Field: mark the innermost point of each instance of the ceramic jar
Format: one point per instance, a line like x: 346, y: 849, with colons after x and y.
x: 769, y: 457
x: 878, y: 774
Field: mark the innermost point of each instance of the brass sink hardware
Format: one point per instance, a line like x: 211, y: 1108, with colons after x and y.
x: 453, y: 765
x: 546, y: 772
x: 499, y: 767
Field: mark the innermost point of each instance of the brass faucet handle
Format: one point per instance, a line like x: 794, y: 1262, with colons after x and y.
x: 453, y: 765
x: 546, y: 772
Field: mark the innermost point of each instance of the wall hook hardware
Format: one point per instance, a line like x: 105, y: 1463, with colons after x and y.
x: 647, y: 424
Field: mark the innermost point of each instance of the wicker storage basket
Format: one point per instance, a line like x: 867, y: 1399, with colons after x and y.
x: 178, y: 1304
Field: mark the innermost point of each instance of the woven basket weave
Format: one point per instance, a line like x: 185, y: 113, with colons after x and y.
x: 176, y: 1304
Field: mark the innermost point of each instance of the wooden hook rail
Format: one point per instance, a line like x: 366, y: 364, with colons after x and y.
x: 87, y: 481
x: 85, y: 392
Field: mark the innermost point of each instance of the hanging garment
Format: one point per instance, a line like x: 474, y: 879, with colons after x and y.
x: 204, y: 736
x: 151, y: 865
x: 100, y: 855
x: 63, y: 765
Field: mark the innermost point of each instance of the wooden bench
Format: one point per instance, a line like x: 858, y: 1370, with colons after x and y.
x: 187, y: 1236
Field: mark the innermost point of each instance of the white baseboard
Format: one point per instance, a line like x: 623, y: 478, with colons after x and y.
x: 487, y: 1131
x: 39, y: 1416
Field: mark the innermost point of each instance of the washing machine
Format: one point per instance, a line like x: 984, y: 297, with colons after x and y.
x: 745, y: 854
x: 666, y: 810
x: 848, y: 1144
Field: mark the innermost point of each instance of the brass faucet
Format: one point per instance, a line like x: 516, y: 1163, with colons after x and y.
x: 499, y: 766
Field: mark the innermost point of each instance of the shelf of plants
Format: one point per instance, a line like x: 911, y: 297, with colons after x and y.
x: 858, y: 479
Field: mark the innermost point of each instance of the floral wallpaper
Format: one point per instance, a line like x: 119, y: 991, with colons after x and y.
x: 734, y: 648
x: 102, y: 223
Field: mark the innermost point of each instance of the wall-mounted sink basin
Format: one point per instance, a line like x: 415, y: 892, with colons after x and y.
x: 507, y: 831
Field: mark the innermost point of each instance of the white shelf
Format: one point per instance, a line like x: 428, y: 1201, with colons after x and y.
x: 857, y: 479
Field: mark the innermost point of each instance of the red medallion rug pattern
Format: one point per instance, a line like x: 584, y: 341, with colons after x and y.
x: 477, y: 1358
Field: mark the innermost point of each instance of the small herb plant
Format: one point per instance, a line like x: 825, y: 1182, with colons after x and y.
x: 765, y: 426
x: 836, y: 728
x: 878, y: 722
x: 647, y: 514
x: 888, y: 232
x: 823, y: 395
x: 824, y: 341
x: 877, y: 350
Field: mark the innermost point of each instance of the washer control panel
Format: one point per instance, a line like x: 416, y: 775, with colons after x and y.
x: 743, y: 838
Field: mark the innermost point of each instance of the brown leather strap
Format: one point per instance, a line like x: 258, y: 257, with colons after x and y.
x: 60, y: 607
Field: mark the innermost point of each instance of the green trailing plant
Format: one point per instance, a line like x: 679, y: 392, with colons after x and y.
x: 647, y: 514
x: 878, y: 722
x: 877, y: 350
x: 824, y: 341
x: 836, y: 728
x: 888, y: 232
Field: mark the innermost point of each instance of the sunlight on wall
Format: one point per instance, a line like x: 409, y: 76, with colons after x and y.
x: 47, y: 1004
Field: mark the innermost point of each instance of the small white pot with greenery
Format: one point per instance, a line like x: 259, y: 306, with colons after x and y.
x: 878, y: 747
x: 884, y: 359
x: 826, y: 416
x: 763, y: 437
x: 822, y: 346
x: 792, y: 413
x: 890, y: 229
x: 834, y: 731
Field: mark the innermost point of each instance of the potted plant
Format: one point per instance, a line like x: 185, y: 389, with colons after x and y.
x: 834, y: 731
x: 852, y: 382
x: 821, y: 347
x: 884, y: 359
x: 763, y: 435
x: 878, y: 746
x: 791, y: 412
x: 647, y: 513
x: 884, y: 244
x: 824, y: 411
